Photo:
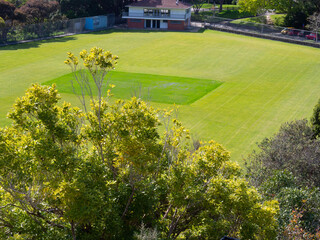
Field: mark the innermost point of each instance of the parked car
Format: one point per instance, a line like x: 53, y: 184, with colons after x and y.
x: 293, y: 32
x: 303, y: 33
x: 286, y: 30
x: 312, y: 36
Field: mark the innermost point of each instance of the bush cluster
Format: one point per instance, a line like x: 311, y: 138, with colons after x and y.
x: 286, y: 168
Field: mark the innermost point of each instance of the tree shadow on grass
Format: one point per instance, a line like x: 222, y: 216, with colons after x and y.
x: 128, y: 30
x: 36, y: 43
x: 125, y: 30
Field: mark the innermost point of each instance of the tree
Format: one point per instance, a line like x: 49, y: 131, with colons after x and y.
x: 221, y: 5
x: 294, y: 149
x: 104, y: 172
x: 286, y: 168
x: 315, y: 120
x: 86, y: 8
x: 297, y: 11
x: 75, y: 9
x: 38, y: 11
x: 197, y: 5
x: 10, y: 16
x: 252, y: 6
x: 6, y: 10
x: 285, y: 187
x: 97, y: 63
x: 2, y: 23
x: 295, y: 231
x: 17, y: 3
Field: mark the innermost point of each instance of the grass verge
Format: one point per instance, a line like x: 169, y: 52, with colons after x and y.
x: 278, y: 19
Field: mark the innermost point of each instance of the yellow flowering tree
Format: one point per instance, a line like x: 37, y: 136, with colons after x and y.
x: 95, y: 66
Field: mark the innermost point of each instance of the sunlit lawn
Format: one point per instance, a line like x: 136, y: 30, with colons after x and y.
x: 155, y: 88
x: 265, y: 82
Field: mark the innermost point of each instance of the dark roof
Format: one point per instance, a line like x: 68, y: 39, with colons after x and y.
x: 160, y: 4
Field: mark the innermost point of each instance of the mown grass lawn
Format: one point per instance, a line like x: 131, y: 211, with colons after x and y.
x: 255, y: 21
x: 265, y: 83
x: 278, y: 19
x: 149, y: 87
x: 225, y: 6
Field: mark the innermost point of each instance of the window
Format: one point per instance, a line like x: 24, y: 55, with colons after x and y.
x: 165, y: 21
x: 156, y: 12
x: 148, y: 12
x: 175, y: 22
x: 165, y: 12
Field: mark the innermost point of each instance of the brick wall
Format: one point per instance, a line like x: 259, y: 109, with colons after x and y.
x: 177, y: 25
x: 135, y: 23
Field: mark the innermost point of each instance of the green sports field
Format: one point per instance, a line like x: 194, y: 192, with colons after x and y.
x: 264, y: 83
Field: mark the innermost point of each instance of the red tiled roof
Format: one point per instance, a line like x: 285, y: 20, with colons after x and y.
x: 160, y: 4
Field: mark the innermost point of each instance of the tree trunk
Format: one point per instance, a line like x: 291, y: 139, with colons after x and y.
x: 221, y: 3
x: 128, y: 203
x: 73, y: 231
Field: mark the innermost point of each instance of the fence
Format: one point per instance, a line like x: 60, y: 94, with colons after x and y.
x: 216, y: 9
x: 299, y: 36
x: 55, y: 28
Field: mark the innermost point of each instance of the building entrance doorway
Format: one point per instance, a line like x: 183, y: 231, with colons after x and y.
x: 152, y: 23
x: 155, y: 23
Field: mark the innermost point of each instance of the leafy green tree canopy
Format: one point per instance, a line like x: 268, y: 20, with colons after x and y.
x: 286, y: 168
x: 6, y: 10
x: 297, y: 11
x: 38, y: 11
x: 293, y: 149
x: 315, y: 120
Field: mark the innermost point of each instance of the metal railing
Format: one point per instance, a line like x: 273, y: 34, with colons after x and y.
x: 153, y: 15
x: 298, y: 36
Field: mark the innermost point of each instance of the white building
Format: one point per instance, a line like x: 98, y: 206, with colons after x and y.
x: 162, y: 14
